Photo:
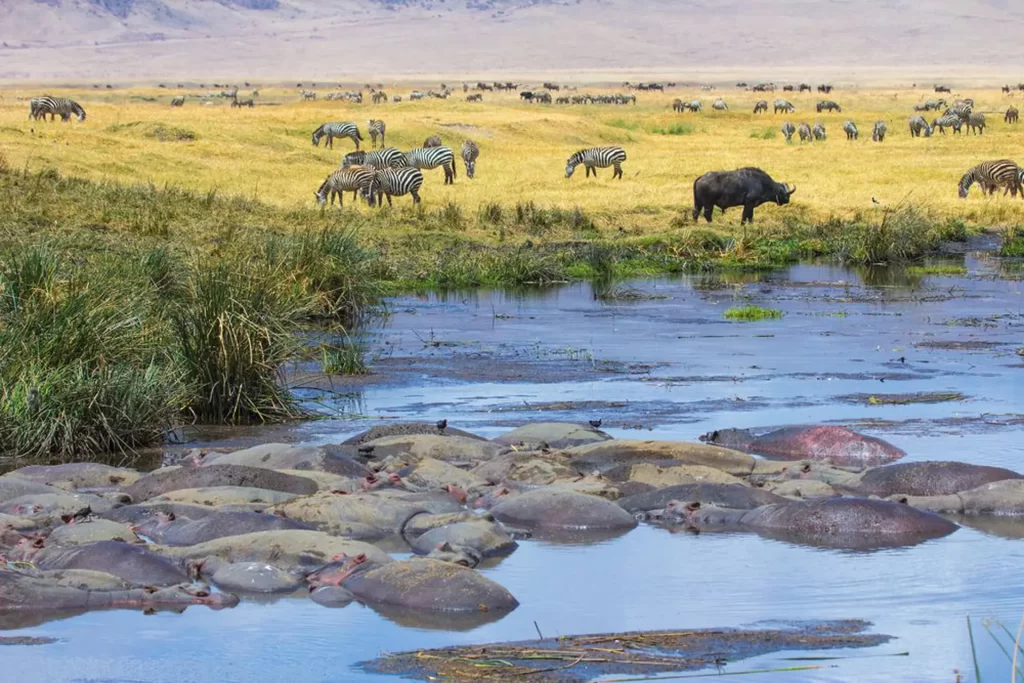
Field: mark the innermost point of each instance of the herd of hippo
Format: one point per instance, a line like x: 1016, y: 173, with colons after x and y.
x: 322, y: 520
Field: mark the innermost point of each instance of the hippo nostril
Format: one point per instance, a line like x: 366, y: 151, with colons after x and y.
x: 202, y: 594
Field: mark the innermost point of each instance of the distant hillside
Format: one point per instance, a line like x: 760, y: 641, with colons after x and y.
x: 130, y: 40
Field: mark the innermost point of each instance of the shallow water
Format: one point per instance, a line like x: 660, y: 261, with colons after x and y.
x: 667, y: 368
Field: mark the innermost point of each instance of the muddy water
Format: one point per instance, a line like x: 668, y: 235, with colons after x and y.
x: 930, y: 364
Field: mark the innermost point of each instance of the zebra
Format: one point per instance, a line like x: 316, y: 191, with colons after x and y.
x: 386, y: 157
x: 396, y: 98
x: 307, y: 95
x: 678, y: 106
x: 243, y: 103
x: 828, y: 105
x: 762, y: 105
x: 416, y: 95
x: 469, y: 154
x: 787, y: 130
x: 784, y: 106
x: 375, y: 128
x: 379, y: 97
x: 990, y: 175
x: 1011, y: 115
x: 339, y: 129
x: 433, y: 141
x: 719, y: 105
x: 818, y: 131
x: 178, y: 101
x: 595, y: 158
x: 976, y: 122
x: 352, y: 179
x: 960, y: 109
x: 950, y: 121
x: 694, y: 106
x: 919, y: 125
x: 432, y: 157
x: 851, y: 130
x: 805, y: 133
x: 39, y: 107
x: 879, y: 130
x: 394, y: 182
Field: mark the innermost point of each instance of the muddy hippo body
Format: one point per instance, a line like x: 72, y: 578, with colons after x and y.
x: 209, y: 476
x: 256, y: 577
x: 928, y: 478
x: 77, y: 475
x: 558, y: 510
x: 91, y: 531
x: 849, y: 523
x: 132, y: 563
x: 210, y: 527
x: 840, y: 445
x: 22, y: 592
x: 487, y: 539
x: 405, y: 429
x: 722, y: 495
x: 418, y: 583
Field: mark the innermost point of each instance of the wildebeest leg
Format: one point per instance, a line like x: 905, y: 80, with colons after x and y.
x: 708, y: 210
x: 748, y: 214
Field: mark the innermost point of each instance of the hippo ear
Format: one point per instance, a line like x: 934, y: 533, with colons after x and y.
x: 338, y: 558
x: 446, y: 547
x: 360, y: 558
x: 693, y: 506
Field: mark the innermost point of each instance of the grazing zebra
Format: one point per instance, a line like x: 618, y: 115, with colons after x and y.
x: 396, y: 98
x: 960, y: 109
x: 432, y: 157
x: 787, y: 130
x: 1011, y: 115
x: 976, y: 122
x: 178, y: 101
x: 879, y: 130
x: 818, y: 131
x: 469, y: 154
x: 39, y: 107
x: 719, y: 105
x: 678, y: 106
x: 394, y: 182
x: 386, y: 157
x: 918, y: 125
x: 595, y: 158
x: 340, y: 129
x: 243, y: 103
x: 416, y: 95
x: 761, y: 106
x: 828, y: 105
x: 376, y: 128
x: 353, y: 179
x: 784, y: 106
x: 805, y: 133
x: 433, y: 141
x: 307, y: 95
x: 990, y: 175
x: 379, y: 97
x: 948, y: 121
x: 851, y: 130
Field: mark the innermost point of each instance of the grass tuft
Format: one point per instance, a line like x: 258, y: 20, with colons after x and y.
x: 1013, y: 243
x: 749, y: 314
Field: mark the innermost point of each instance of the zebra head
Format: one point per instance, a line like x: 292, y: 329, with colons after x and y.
x: 470, y: 168
x: 317, y: 134
x: 570, y: 166
x: 965, y: 184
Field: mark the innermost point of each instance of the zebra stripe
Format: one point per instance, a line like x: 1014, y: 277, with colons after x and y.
x: 818, y: 131
x: 469, y: 154
x: 339, y: 129
x: 762, y: 105
x: 387, y: 157
x: 720, y: 105
x: 805, y: 132
x: 595, y: 158
x: 39, y: 107
x: 432, y: 157
x: 918, y: 125
x: 961, y: 110
x: 990, y: 175
x: 851, y: 130
x: 784, y: 105
x: 376, y: 128
x: 352, y: 179
x: 976, y: 122
x: 787, y: 130
x: 394, y: 182
x: 879, y: 130
x: 948, y: 120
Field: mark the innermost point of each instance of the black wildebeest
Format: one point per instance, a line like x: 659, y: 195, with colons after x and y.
x: 747, y: 187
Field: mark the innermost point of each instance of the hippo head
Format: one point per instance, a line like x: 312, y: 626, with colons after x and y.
x: 395, y: 479
x: 370, y: 481
x: 189, y: 594
x: 154, y: 522
x: 28, y: 547
x: 461, y: 555
x: 338, y: 571
x: 457, y: 492
x: 677, y: 512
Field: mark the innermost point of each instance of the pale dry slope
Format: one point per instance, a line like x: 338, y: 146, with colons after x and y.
x: 970, y: 41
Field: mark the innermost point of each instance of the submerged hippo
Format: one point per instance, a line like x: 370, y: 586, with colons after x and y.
x: 166, y: 529
x: 853, y: 523
x: 1003, y: 498
x: 210, y: 476
x: 456, y: 554
x: 561, y: 509
x: 821, y: 442
x: 485, y: 538
x: 77, y: 475
x: 928, y: 478
x: 22, y: 592
x: 417, y: 583
x: 132, y: 563
x: 722, y: 495
x: 405, y: 429
x: 255, y: 577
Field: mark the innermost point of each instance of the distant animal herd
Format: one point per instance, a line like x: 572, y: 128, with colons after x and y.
x: 388, y: 172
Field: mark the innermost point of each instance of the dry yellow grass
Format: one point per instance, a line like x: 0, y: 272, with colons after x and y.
x: 266, y: 152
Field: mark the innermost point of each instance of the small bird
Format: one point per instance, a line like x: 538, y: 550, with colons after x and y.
x: 596, y: 424
x: 366, y: 450
x: 441, y: 424
x: 875, y: 201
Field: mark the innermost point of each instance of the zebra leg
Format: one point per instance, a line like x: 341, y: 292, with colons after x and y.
x: 356, y: 140
x: 618, y: 172
x: 389, y: 201
x: 415, y: 196
x: 330, y: 142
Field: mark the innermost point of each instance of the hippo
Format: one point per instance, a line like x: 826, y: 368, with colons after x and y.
x: 452, y: 449
x: 14, y: 487
x: 22, y: 592
x: 552, y: 435
x: 847, y: 523
x: 607, y: 456
x: 554, y: 509
x: 49, y: 508
x: 166, y: 529
x: 722, y: 495
x: 220, y: 496
x: 405, y: 429
x: 928, y: 478
x: 90, y: 531
x: 418, y: 583
x: 255, y: 577
x: 279, y: 456
x: 132, y: 563
x: 485, y: 538
x: 284, y: 549
x: 1003, y: 498
x: 332, y: 596
x: 82, y: 579
x: 456, y: 554
x: 137, y: 514
x: 208, y: 476
x: 528, y: 467
x: 77, y: 475
x: 377, y: 515
x: 839, y: 445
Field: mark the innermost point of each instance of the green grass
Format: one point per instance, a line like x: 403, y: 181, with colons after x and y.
x: 764, y: 133
x: 674, y: 129
x: 1013, y: 243
x: 749, y: 314
x: 947, y: 271
x: 347, y: 357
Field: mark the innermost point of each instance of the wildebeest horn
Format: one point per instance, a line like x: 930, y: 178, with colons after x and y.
x: 790, y: 191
